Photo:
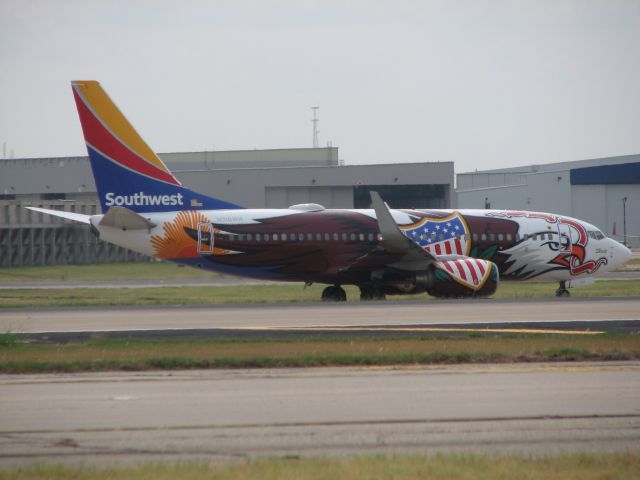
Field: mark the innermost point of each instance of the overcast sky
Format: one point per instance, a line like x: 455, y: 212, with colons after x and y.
x: 486, y: 84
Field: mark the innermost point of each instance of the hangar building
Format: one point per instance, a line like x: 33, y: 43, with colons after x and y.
x: 252, y: 178
x: 603, y: 191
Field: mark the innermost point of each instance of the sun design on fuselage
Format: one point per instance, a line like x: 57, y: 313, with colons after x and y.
x: 175, y: 242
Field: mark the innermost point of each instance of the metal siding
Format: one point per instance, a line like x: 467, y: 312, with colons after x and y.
x: 627, y: 173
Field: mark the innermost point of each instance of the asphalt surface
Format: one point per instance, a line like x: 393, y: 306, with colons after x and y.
x: 63, y: 324
x: 109, y: 418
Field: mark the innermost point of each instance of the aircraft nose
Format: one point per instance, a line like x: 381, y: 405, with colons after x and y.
x: 621, y: 254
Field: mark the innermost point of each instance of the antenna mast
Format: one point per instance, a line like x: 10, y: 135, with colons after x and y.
x: 315, y: 126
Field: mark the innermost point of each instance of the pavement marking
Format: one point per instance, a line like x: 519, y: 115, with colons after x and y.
x: 415, y: 329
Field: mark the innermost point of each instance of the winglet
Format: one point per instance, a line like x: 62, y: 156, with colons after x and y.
x: 392, y: 238
x: 413, y: 257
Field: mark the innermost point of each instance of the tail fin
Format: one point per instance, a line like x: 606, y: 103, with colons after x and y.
x: 126, y: 171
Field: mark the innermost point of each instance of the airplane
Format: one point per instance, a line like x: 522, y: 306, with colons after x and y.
x: 383, y: 251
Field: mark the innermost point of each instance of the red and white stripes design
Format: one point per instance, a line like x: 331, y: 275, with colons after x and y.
x: 453, y: 246
x: 469, y: 271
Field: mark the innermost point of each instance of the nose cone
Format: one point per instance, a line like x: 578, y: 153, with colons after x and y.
x: 621, y: 254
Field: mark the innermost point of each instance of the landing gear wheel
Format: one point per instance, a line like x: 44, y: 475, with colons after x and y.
x: 334, y: 293
x: 562, y: 291
x: 371, y: 293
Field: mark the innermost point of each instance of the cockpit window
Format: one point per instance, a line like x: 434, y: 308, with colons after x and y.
x: 595, y: 234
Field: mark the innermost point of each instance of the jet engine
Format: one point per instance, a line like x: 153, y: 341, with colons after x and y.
x: 469, y: 277
x: 459, y: 278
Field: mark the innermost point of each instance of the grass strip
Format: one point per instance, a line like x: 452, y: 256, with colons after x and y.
x: 104, y: 272
x: 130, y: 355
x: 108, y: 272
x: 186, y: 363
x: 272, y: 293
x: 582, y: 466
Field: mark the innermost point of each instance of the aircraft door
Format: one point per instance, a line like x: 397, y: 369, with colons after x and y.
x: 205, y: 238
x: 564, y: 237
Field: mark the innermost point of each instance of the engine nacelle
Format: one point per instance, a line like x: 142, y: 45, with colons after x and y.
x: 468, y: 277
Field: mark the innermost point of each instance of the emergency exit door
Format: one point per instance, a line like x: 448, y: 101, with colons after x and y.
x: 205, y: 238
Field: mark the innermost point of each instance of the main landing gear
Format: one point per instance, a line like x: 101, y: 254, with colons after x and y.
x: 371, y: 293
x: 335, y: 293
x: 562, y: 291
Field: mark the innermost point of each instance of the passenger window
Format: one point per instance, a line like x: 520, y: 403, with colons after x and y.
x: 249, y: 237
x: 441, y: 236
x: 258, y: 237
x: 370, y: 237
x: 352, y: 237
x: 361, y: 237
x: 344, y: 237
x: 500, y: 237
x: 484, y: 236
x: 275, y: 237
x: 327, y: 237
x: 309, y: 236
x: 284, y: 237
x: 336, y: 237
x: 301, y: 237
x: 492, y: 237
x: 475, y: 237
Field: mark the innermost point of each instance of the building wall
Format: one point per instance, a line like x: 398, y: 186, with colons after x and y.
x: 551, y: 190
x: 255, y: 188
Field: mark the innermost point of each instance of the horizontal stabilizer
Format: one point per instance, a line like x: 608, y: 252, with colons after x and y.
x: 76, y: 217
x: 125, y: 219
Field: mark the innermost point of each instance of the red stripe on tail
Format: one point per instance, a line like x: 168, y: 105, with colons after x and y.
x: 99, y: 137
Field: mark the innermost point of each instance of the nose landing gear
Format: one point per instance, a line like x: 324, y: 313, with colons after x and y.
x: 562, y: 291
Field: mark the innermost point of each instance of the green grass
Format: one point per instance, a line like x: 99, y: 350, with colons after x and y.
x: 269, y: 293
x: 102, y: 354
x: 104, y: 272
x: 581, y: 466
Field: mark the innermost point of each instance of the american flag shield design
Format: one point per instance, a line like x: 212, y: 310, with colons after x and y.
x: 471, y: 272
x: 441, y: 236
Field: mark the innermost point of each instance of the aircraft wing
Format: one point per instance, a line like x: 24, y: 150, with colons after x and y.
x: 76, y: 217
x: 413, y: 257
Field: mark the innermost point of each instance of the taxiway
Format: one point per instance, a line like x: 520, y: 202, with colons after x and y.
x: 553, y: 312
x: 217, y: 415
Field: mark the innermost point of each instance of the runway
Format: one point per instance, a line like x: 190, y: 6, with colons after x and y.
x: 111, y: 418
x: 598, y: 314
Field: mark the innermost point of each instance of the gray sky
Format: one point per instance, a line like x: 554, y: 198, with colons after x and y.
x: 486, y: 84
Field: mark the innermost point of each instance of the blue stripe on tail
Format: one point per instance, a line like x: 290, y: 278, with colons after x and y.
x: 118, y: 186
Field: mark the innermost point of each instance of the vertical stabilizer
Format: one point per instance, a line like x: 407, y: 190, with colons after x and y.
x: 126, y: 171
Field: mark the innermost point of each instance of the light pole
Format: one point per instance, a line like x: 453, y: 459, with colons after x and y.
x: 624, y: 220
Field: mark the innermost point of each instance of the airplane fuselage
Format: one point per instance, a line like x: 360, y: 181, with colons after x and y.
x: 342, y: 246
